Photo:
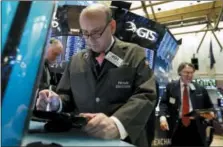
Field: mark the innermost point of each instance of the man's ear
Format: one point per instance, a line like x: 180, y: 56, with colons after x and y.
x: 113, y: 26
x: 179, y: 73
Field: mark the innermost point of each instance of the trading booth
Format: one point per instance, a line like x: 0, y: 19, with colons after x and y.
x: 22, y: 63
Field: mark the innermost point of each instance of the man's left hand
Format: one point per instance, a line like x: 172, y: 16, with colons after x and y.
x: 209, y: 116
x: 101, y: 126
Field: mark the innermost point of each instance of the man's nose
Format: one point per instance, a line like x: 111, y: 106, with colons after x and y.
x: 90, y: 38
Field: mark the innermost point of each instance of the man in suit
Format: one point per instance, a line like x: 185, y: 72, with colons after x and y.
x: 54, y: 49
x: 110, y: 83
x: 182, y: 97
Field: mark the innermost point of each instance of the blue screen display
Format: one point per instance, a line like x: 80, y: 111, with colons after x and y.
x: 167, y: 48
x: 150, y: 56
x: 73, y: 46
x: 165, y: 54
x: 21, y: 84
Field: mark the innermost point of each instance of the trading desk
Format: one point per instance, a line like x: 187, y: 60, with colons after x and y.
x: 75, y: 137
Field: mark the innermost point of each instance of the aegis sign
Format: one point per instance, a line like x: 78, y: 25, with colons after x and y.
x: 142, y: 32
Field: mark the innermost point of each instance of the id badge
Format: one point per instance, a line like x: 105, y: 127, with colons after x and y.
x: 172, y: 100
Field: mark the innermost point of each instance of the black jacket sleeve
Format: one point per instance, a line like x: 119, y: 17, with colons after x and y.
x: 64, y: 90
x: 164, y: 101
x: 44, y: 83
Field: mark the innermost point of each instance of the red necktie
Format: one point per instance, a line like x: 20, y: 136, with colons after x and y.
x: 100, y: 58
x: 186, y: 107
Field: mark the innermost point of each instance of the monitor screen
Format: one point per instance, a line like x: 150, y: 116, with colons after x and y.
x: 150, y: 56
x: 73, y: 46
x: 214, y: 95
x: 164, y: 56
x: 22, y: 53
x: 168, y: 48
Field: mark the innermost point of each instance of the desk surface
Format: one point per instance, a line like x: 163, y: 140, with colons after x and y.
x: 74, y: 137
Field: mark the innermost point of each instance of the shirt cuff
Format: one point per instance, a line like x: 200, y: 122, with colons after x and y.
x: 60, y: 106
x: 212, y: 113
x: 121, y: 129
x: 162, y: 118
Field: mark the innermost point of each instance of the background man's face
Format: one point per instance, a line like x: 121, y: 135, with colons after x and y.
x: 92, y: 23
x: 187, y: 74
x: 52, y: 53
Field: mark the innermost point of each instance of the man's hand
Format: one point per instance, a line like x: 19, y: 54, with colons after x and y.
x: 164, y: 125
x: 89, y: 116
x: 48, y: 97
x: 101, y: 126
x: 209, y: 115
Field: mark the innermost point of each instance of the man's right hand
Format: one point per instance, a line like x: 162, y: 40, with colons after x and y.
x: 164, y: 125
x: 50, y: 98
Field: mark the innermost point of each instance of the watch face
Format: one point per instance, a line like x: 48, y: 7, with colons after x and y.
x: 219, y: 116
x: 220, y: 102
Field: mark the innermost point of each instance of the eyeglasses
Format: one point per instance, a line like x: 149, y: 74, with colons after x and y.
x: 94, y: 35
x: 187, y: 73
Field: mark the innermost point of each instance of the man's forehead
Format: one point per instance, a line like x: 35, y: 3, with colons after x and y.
x: 188, y: 68
x: 92, y: 21
x: 55, y: 48
x: 92, y: 17
x: 92, y: 26
x: 93, y: 13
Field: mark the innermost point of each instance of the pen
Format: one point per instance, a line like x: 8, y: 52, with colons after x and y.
x: 48, y: 104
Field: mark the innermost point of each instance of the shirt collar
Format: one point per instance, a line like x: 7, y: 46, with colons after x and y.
x: 182, y: 83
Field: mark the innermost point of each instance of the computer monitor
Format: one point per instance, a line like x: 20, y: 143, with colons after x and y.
x: 22, y: 55
x: 163, y: 60
x: 168, y: 48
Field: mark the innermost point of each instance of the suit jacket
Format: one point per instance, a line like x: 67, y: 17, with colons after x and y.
x: 199, y: 100
x: 127, y: 92
x: 151, y: 124
x: 45, y: 77
x: 49, y: 77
